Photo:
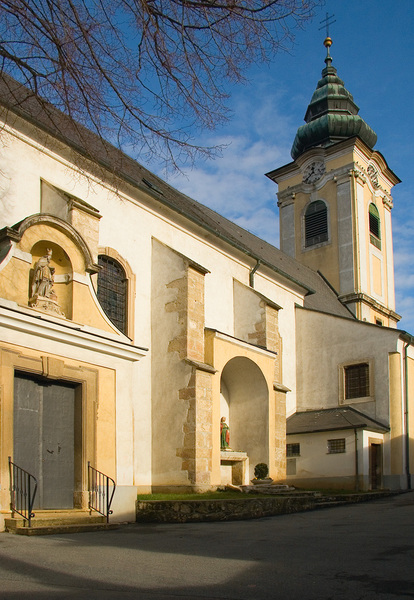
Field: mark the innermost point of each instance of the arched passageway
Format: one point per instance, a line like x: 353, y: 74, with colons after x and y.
x: 244, y: 401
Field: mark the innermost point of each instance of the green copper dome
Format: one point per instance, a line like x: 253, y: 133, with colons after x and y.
x: 332, y: 114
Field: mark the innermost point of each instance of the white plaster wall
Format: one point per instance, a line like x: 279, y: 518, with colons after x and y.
x: 247, y: 311
x: 286, y: 299
x: 325, y: 342
x: 314, y: 460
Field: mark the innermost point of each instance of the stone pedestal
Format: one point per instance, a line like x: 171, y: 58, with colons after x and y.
x: 234, y: 467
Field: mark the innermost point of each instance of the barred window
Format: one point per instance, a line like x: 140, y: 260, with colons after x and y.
x: 112, y: 291
x: 336, y: 446
x: 292, y: 450
x: 374, y: 226
x: 356, y: 381
x: 316, y: 223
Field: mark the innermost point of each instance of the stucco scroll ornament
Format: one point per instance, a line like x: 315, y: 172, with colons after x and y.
x: 373, y: 175
x: 43, y: 295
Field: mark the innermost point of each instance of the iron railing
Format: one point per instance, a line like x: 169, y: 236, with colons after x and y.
x: 23, y: 488
x: 100, y: 492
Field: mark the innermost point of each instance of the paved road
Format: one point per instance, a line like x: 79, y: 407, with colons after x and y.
x: 355, y: 552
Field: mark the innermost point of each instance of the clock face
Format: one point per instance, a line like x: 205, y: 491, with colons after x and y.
x: 313, y: 172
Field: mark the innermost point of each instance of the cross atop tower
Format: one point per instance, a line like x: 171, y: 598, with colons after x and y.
x: 326, y: 22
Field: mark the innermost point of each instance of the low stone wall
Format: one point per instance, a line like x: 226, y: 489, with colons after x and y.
x: 176, y: 511
x: 185, y: 511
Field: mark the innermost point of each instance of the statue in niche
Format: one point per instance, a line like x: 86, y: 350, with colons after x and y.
x: 224, y: 435
x: 43, y: 276
x: 42, y: 293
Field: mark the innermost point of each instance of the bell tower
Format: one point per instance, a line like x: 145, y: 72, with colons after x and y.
x: 335, y: 202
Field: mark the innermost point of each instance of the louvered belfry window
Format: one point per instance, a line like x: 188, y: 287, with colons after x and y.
x: 374, y: 226
x: 316, y: 223
x: 357, y: 381
x: 112, y: 291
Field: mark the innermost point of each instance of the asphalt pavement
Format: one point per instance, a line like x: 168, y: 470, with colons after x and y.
x: 353, y: 552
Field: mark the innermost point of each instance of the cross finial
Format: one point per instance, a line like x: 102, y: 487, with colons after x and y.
x: 326, y: 22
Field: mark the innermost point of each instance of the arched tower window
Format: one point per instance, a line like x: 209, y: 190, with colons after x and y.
x: 113, y: 290
x: 374, y: 226
x: 316, y: 223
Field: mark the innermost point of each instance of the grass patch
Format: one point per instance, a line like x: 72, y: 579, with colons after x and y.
x: 226, y: 495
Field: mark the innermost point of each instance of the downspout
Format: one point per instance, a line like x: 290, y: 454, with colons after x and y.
x: 252, y: 272
x: 406, y: 421
x: 356, y: 461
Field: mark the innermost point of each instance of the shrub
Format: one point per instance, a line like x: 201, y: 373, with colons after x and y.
x: 261, y: 471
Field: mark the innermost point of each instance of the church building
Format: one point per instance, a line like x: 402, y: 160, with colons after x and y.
x: 147, y: 341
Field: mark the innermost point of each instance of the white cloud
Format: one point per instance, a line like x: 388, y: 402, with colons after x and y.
x: 234, y: 184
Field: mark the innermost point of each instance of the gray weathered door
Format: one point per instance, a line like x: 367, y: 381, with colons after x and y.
x: 44, y: 421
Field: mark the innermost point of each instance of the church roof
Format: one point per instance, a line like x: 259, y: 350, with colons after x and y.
x: 332, y: 114
x: 331, y: 419
x: 21, y: 102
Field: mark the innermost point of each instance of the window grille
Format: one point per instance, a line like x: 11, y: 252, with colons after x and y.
x: 374, y: 226
x: 336, y: 446
x: 292, y: 450
x: 112, y: 291
x: 356, y: 381
x: 316, y: 223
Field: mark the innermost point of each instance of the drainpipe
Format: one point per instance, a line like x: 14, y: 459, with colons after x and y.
x: 406, y: 421
x: 356, y: 461
x: 252, y: 272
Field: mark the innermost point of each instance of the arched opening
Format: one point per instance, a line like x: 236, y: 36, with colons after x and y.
x: 244, y: 401
x: 316, y: 223
x: 374, y: 226
x: 112, y: 291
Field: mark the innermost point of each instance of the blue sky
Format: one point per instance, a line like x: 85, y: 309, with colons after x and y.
x: 373, y: 51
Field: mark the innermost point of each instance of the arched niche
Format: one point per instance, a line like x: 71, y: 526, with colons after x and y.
x: 245, y: 395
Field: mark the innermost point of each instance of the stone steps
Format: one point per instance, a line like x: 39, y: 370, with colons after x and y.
x: 57, y: 522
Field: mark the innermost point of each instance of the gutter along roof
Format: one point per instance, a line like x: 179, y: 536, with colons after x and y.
x: 22, y: 102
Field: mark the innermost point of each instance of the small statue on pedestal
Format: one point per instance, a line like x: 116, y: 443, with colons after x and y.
x: 42, y: 293
x: 224, y: 435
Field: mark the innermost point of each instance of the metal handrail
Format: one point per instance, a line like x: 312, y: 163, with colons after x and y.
x: 23, y: 488
x: 98, y: 487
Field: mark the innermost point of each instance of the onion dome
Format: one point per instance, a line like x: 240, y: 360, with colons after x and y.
x: 332, y: 115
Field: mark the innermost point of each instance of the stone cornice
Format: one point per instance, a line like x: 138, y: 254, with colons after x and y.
x: 364, y: 298
x: 28, y: 321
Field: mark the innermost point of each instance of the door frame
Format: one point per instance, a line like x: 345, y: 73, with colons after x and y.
x: 375, y: 442
x: 86, y: 400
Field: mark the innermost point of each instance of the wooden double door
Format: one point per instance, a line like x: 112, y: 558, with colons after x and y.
x: 44, y: 430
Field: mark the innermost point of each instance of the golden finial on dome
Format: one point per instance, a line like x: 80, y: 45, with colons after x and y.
x: 327, y: 42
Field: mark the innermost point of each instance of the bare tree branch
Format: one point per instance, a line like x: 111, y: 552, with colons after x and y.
x: 143, y: 73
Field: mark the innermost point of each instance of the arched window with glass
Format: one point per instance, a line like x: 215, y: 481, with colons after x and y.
x: 374, y: 226
x: 316, y: 223
x: 112, y: 291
